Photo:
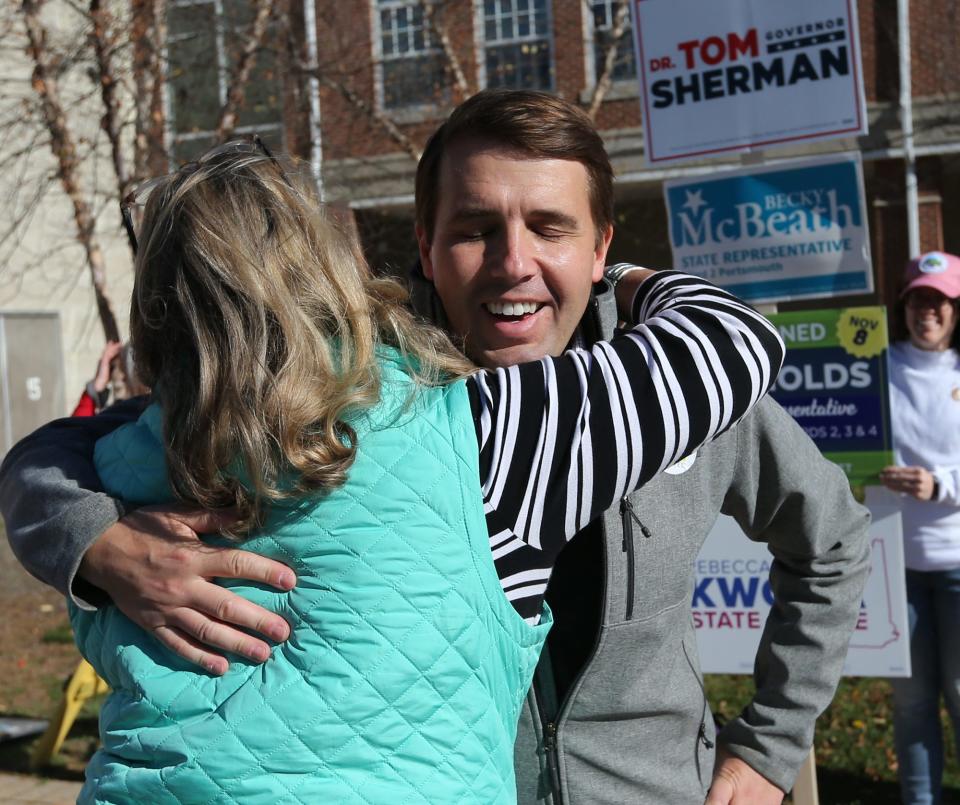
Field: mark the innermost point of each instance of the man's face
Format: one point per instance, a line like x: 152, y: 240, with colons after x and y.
x: 514, y: 251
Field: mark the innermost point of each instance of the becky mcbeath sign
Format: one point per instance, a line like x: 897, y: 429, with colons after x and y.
x: 733, y: 75
x: 791, y: 230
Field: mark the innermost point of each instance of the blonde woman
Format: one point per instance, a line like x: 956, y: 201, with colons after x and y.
x: 358, y: 447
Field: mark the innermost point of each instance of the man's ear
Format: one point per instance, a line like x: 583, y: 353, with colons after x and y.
x: 600, y: 254
x: 423, y: 245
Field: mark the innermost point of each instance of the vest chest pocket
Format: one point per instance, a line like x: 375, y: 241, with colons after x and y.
x: 651, y: 552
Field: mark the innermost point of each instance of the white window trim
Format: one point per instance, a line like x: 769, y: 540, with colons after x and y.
x: 221, y: 52
x: 480, y: 43
x: 222, y: 68
x: 413, y: 113
x: 376, y: 54
x: 172, y: 138
x: 253, y: 128
x: 590, y: 60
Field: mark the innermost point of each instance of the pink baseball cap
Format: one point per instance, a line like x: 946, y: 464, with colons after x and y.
x: 937, y: 270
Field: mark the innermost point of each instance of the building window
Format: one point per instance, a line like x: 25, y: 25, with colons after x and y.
x: 411, y: 64
x: 625, y: 65
x: 517, y: 50
x: 204, y: 42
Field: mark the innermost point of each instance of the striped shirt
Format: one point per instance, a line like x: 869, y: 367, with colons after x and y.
x: 563, y: 439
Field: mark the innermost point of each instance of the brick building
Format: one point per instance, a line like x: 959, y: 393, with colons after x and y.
x: 386, y: 74
x: 389, y: 74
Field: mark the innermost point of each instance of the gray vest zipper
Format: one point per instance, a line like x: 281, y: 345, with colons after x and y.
x: 551, y: 724
x: 552, y: 757
x: 702, y: 729
x: 589, y: 332
x: 627, y: 517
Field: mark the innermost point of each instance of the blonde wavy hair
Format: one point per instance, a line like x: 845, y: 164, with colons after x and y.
x: 257, y: 322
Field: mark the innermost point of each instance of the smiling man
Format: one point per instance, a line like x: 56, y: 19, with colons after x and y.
x: 514, y: 206
x: 512, y: 250
x: 514, y: 219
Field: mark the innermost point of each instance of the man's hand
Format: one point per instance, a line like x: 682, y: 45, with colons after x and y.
x: 915, y: 481
x: 735, y: 783
x: 627, y: 289
x: 159, y: 574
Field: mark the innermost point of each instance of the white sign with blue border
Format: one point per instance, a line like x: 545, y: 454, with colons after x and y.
x: 737, y: 75
x: 792, y: 230
x: 733, y: 594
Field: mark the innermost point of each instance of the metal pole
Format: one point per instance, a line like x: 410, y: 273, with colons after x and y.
x: 906, y: 125
x: 313, y: 88
x: 805, y: 788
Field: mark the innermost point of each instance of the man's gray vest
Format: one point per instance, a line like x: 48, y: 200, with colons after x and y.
x: 635, y: 726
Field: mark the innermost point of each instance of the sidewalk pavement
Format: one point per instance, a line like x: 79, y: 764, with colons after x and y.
x: 22, y: 789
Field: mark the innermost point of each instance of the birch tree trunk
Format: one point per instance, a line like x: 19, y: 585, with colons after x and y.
x: 621, y: 16
x: 240, y: 76
x: 64, y: 150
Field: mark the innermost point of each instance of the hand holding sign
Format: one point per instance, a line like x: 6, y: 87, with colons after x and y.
x: 915, y: 481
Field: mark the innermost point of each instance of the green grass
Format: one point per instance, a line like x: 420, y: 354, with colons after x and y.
x: 58, y: 634
x: 856, y: 764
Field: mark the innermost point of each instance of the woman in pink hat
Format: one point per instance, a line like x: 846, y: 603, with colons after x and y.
x: 925, y: 412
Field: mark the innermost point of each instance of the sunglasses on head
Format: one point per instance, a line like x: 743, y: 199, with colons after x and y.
x: 136, y: 199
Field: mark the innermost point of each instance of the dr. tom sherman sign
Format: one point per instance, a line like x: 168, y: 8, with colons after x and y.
x: 734, y: 75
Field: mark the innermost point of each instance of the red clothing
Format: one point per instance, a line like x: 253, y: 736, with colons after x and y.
x: 86, y: 406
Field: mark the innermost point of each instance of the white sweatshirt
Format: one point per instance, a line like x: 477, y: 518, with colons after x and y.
x: 925, y: 418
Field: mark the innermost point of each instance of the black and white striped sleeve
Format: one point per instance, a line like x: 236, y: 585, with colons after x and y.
x: 562, y: 439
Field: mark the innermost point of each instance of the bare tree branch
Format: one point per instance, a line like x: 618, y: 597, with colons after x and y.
x: 236, y: 90
x: 148, y: 32
x: 391, y: 129
x: 333, y: 76
x: 12, y: 237
x: 47, y: 107
x: 64, y: 151
x: 621, y: 16
x: 104, y: 39
x: 438, y: 26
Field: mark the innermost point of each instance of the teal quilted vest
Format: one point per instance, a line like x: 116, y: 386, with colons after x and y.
x: 404, y: 674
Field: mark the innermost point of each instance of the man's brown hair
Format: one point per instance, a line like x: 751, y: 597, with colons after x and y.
x: 534, y: 123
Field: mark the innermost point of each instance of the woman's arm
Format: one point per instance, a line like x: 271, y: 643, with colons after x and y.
x: 562, y: 439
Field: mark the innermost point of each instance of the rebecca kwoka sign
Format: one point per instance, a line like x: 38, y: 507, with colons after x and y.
x: 733, y: 75
x: 732, y: 597
x: 792, y: 230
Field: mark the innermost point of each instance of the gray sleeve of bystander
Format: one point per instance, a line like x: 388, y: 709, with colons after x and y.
x: 51, y: 499
x: 786, y: 494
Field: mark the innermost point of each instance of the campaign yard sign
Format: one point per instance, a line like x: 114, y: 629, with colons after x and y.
x: 732, y: 597
x: 793, y: 230
x: 834, y: 384
x: 742, y: 74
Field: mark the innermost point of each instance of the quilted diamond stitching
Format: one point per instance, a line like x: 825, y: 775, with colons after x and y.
x: 423, y: 501
x: 448, y: 464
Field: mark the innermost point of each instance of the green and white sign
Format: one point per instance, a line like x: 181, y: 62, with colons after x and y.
x: 834, y: 384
